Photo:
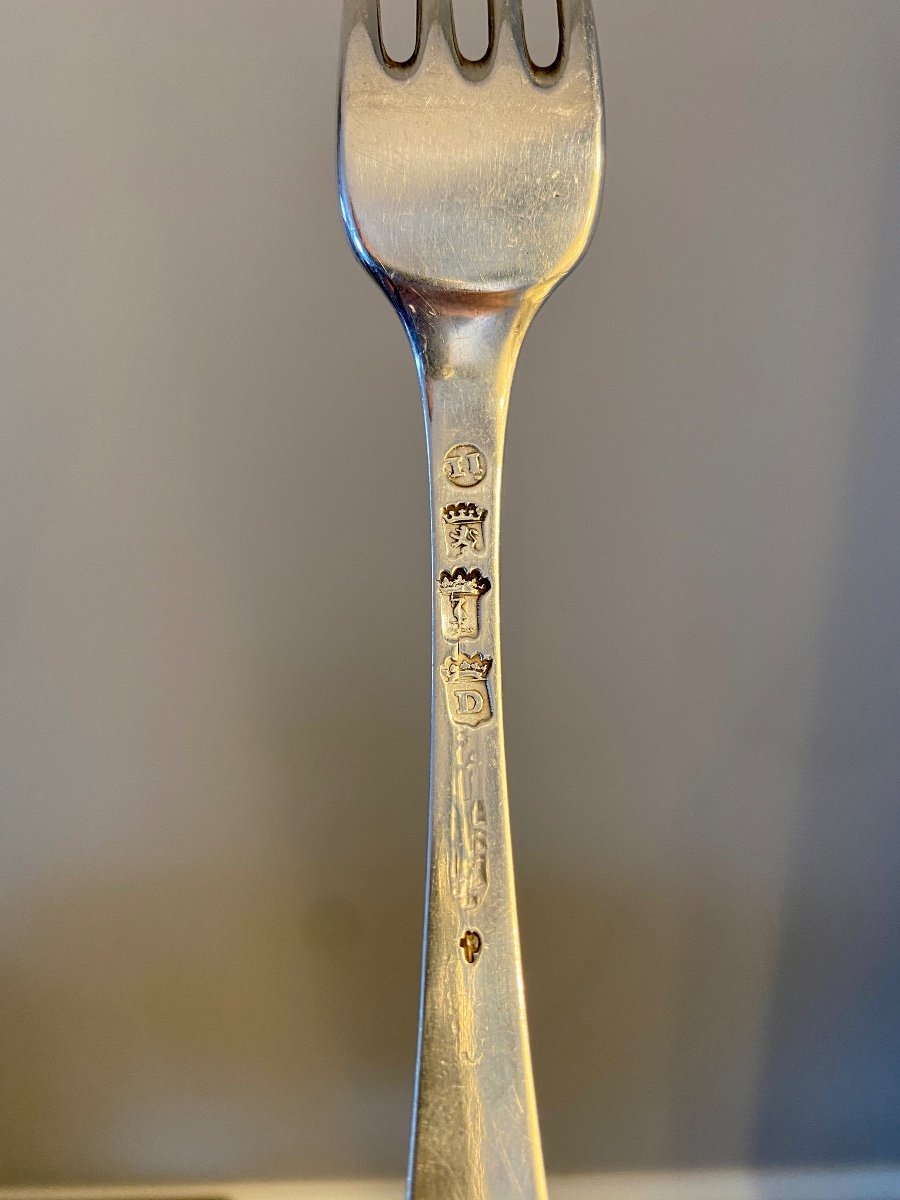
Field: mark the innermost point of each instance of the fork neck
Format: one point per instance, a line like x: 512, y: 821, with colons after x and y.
x: 466, y: 348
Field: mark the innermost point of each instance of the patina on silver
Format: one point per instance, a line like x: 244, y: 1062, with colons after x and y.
x: 470, y: 190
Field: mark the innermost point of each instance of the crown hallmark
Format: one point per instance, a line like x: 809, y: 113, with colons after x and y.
x: 460, y: 591
x: 464, y: 528
x: 465, y: 682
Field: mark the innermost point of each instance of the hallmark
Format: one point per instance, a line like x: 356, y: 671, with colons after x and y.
x: 471, y: 945
x: 463, y: 528
x: 465, y: 682
x: 465, y: 466
x: 460, y: 592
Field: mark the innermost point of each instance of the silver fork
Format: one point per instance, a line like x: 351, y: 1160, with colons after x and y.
x: 469, y: 191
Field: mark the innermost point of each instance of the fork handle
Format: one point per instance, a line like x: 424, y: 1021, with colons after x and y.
x: 475, y: 1129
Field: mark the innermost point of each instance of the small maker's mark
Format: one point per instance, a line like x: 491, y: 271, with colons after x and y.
x: 470, y: 943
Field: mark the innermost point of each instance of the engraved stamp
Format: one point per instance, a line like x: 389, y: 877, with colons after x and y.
x: 470, y: 943
x: 465, y: 682
x: 468, y: 830
x: 465, y: 466
x: 460, y: 592
x: 463, y: 528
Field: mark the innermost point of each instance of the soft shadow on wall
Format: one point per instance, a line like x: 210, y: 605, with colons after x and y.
x: 830, y: 1090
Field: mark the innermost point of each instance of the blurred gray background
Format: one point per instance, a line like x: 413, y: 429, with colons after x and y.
x: 214, y: 689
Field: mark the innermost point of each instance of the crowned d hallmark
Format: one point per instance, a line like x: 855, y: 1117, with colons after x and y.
x: 465, y: 684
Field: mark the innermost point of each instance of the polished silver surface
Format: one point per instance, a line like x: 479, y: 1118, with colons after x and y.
x: 469, y: 190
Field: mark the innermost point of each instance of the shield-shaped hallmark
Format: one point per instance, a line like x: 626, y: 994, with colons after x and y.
x: 464, y: 528
x: 460, y: 591
x: 465, y: 683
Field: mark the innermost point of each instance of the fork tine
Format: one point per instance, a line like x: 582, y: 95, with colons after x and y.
x: 360, y: 12
x: 511, y: 11
x: 579, y: 34
x: 429, y: 12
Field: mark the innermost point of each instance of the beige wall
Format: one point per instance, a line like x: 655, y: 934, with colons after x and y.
x: 214, y: 692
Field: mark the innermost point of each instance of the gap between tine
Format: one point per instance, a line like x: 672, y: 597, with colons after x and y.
x: 512, y: 11
x: 481, y: 58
